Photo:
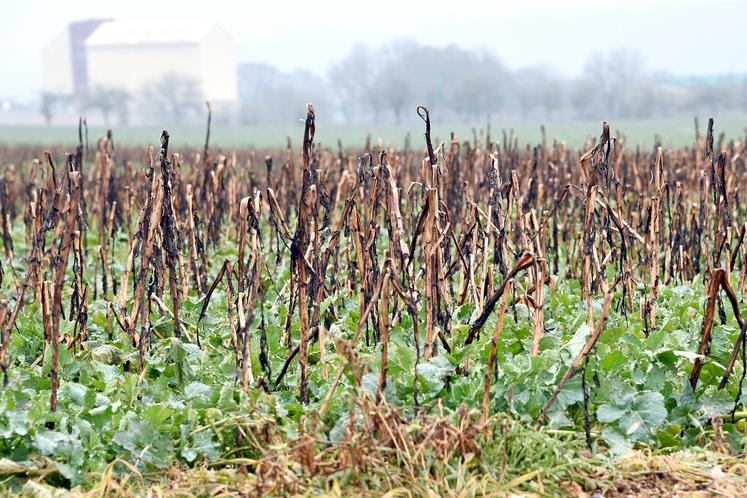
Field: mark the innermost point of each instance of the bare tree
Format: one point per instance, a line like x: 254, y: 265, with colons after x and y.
x: 271, y: 96
x: 538, y: 90
x: 175, y: 96
x: 50, y: 104
x: 350, y: 79
x: 482, y: 87
x: 614, y: 77
x: 467, y: 85
x: 108, y: 101
x: 393, y: 86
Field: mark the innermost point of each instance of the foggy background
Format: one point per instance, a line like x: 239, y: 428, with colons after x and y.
x: 468, y: 61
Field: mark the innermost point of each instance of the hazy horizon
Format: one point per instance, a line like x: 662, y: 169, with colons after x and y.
x: 313, y: 36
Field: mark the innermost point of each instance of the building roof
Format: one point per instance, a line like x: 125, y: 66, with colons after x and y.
x: 148, y: 33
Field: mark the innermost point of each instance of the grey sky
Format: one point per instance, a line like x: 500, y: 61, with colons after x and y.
x: 682, y: 37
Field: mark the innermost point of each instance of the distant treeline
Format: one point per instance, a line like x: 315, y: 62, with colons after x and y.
x: 384, y: 85
x: 460, y: 85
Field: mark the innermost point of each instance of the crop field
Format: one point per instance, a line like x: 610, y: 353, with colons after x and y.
x: 672, y: 132
x: 475, y: 315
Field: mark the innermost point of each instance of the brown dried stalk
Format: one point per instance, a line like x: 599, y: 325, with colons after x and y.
x: 151, y: 219
x: 491, y: 368
x: 523, y: 263
x: 298, y: 254
x: 171, y: 243
x: 539, y: 301
x: 384, y: 314
x: 59, y: 267
x: 50, y: 221
x: 429, y: 246
x: 719, y: 280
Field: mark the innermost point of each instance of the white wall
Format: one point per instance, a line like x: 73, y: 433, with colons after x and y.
x: 219, y: 66
x: 212, y: 62
x: 57, y: 65
x: 131, y: 66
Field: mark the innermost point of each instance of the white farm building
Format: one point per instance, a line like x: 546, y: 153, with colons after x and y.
x: 129, y: 54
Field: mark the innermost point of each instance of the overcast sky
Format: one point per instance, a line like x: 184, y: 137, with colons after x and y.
x: 682, y: 37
